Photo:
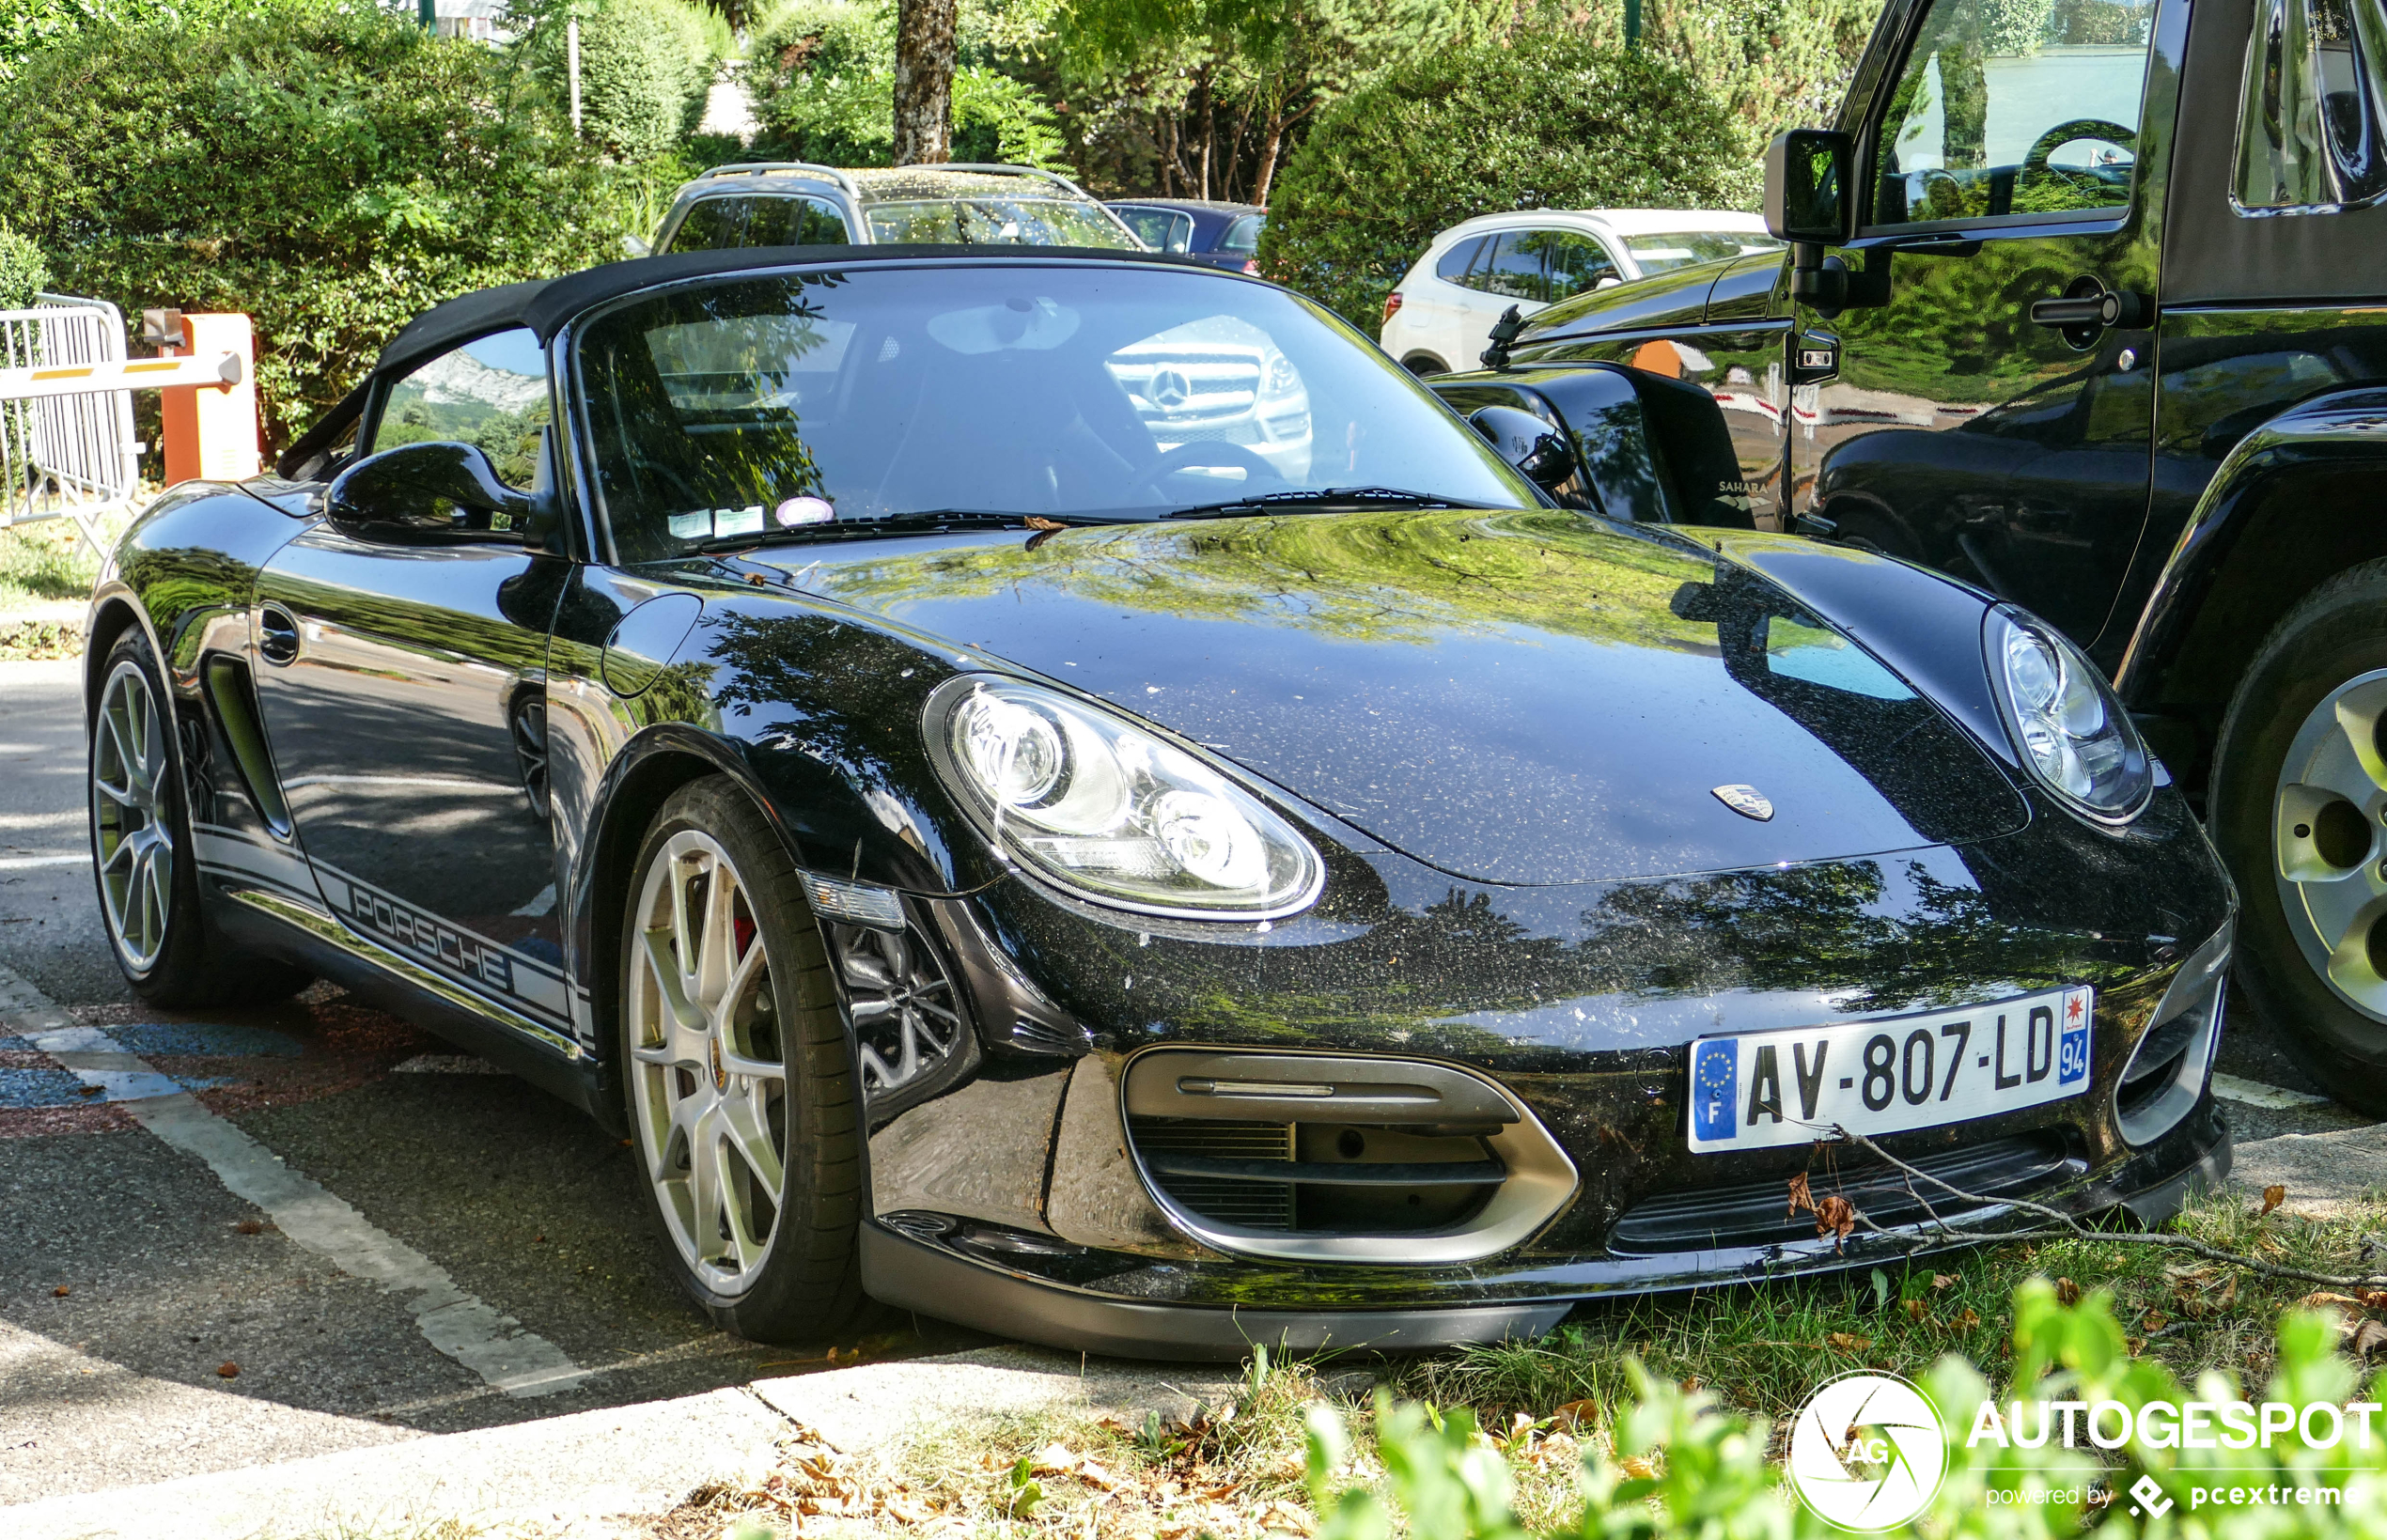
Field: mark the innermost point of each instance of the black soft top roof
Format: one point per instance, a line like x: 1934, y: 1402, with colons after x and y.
x: 544, y: 305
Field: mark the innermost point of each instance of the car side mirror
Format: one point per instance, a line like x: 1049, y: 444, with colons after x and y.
x: 635, y: 246
x: 1539, y: 451
x: 1809, y: 175
x: 433, y: 489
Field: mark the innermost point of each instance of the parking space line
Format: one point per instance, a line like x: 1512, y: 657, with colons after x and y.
x: 459, y: 1325
x: 2255, y: 1094
x: 20, y: 863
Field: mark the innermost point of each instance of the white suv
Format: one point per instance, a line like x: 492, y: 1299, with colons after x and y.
x: 1440, y: 315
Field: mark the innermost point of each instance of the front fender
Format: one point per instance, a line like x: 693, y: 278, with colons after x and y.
x: 2342, y: 430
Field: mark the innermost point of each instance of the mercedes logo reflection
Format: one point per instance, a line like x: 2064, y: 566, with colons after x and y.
x: 1169, y: 389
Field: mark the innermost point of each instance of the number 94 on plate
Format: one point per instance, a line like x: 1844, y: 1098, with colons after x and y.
x: 1757, y: 1090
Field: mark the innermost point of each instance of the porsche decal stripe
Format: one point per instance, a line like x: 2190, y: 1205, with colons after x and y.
x: 531, y: 984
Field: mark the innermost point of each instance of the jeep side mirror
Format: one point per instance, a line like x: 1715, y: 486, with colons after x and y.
x: 1539, y: 450
x: 1810, y: 174
x: 431, y: 489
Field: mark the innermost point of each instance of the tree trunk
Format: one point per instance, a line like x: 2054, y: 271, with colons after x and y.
x: 1270, y: 142
x: 1277, y: 128
x: 924, y: 81
x: 1209, y: 129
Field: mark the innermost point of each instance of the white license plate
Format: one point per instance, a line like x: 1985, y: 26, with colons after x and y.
x: 1761, y: 1089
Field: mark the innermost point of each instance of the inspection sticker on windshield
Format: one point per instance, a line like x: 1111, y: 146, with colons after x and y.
x: 1764, y: 1089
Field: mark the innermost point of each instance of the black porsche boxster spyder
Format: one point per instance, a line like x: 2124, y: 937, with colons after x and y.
x: 1064, y: 792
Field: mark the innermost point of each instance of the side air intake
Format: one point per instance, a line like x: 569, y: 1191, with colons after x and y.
x: 1325, y: 1158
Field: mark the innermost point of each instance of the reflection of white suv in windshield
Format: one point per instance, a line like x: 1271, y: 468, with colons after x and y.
x: 1440, y: 316
x: 1219, y: 380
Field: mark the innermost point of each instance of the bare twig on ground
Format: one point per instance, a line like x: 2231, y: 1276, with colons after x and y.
x: 2063, y: 1226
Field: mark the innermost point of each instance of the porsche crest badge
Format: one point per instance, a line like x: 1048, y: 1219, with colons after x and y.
x: 1746, y: 800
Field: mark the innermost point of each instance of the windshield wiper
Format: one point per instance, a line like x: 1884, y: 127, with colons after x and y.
x: 899, y: 523
x: 1325, y: 497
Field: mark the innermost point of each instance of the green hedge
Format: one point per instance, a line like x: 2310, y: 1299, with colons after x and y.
x: 645, y: 68
x: 24, y: 271
x: 1545, y: 122
x: 330, y: 173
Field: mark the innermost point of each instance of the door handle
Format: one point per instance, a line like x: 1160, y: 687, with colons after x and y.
x: 277, y: 634
x: 2087, y: 308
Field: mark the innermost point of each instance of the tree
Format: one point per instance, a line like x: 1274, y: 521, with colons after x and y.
x: 1540, y: 122
x: 926, y: 55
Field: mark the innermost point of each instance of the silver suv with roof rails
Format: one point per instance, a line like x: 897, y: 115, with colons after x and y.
x: 794, y: 203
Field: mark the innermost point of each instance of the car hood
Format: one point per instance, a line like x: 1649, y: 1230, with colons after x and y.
x: 1527, y: 696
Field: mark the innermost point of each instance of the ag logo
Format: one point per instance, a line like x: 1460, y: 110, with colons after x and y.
x: 1867, y: 1453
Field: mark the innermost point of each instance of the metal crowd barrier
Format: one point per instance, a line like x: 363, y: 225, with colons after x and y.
x: 65, y: 455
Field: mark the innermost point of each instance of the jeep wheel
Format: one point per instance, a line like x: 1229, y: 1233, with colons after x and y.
x: 2298, y: 808
x: 736, y: 1073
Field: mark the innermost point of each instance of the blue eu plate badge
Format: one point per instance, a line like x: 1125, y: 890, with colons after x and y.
x: 1715, y: 1081
x: 2072, y: 1058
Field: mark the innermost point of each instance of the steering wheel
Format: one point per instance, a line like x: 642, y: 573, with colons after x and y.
x: 2064, y: 134
x: 1206, y: 451
x: 679, y: 484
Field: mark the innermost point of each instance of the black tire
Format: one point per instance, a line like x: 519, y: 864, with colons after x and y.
x: 184, y: 962
x: 2335, y: 635
x: 807, y: 1283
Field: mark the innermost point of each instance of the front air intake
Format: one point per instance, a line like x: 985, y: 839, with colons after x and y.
x: 1312, y: 1157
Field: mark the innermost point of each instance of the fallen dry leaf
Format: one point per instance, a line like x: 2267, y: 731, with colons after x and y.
x: 250, y: 1227
x: 1967, y: 1320
x: 2367, y: 1339
x: 1849, y: 1342
x: 1283, y: 1518
x: 62, y: 1291
x: 1802, y: 1199
x: 1943, y: 1280
x: 2323, y: 1297
x: 1575, y: 1414
x: 2135, y: 1344
x: 2273, y: 1196
x: 1637, y: 1468
x: 229, y: 1369
x: 1836, y: 1217
x: 2156, y: 1320
x: 1915, y: 1311
x: 2067, y: 1292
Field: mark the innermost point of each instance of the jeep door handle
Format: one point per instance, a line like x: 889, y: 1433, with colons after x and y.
x: 277, y: 634
x: 2106, y: 307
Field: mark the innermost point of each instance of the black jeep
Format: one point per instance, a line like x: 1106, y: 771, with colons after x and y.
x: 2088, y: 305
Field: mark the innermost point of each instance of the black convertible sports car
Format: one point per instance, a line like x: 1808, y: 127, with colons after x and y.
x: 1063, y: 791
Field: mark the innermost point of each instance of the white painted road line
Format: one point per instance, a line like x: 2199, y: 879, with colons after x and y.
x: 20, y: 863
x: 2255, y: 1094
x: 458, y: 1324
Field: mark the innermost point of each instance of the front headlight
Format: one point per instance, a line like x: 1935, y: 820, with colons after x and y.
x: 1111, y: 811
x: 2067, y: 723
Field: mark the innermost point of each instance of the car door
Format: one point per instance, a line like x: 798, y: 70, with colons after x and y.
x: 402, y: 677
x: 2004, y: 270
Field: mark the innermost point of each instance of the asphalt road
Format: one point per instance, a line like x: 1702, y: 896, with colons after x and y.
x: 131, y: 1272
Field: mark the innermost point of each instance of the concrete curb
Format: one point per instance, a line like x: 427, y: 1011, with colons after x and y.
x: 598, y: 1473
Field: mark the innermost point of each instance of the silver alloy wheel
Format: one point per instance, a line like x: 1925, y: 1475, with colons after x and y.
x: 2331, y: 862
x: 133, y: 840
x: 708, y: 1081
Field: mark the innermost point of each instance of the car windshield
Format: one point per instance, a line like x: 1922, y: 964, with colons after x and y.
x: 997, y: 220
x: 794, y: 405
x: 1680, y: 248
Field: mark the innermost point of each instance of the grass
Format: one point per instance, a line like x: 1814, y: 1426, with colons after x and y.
x: 45, y: 562
x: 1763, y: 1349
x: 1237, y: 1473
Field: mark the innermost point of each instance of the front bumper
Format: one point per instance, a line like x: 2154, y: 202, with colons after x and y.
x: 1031, y: 1286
